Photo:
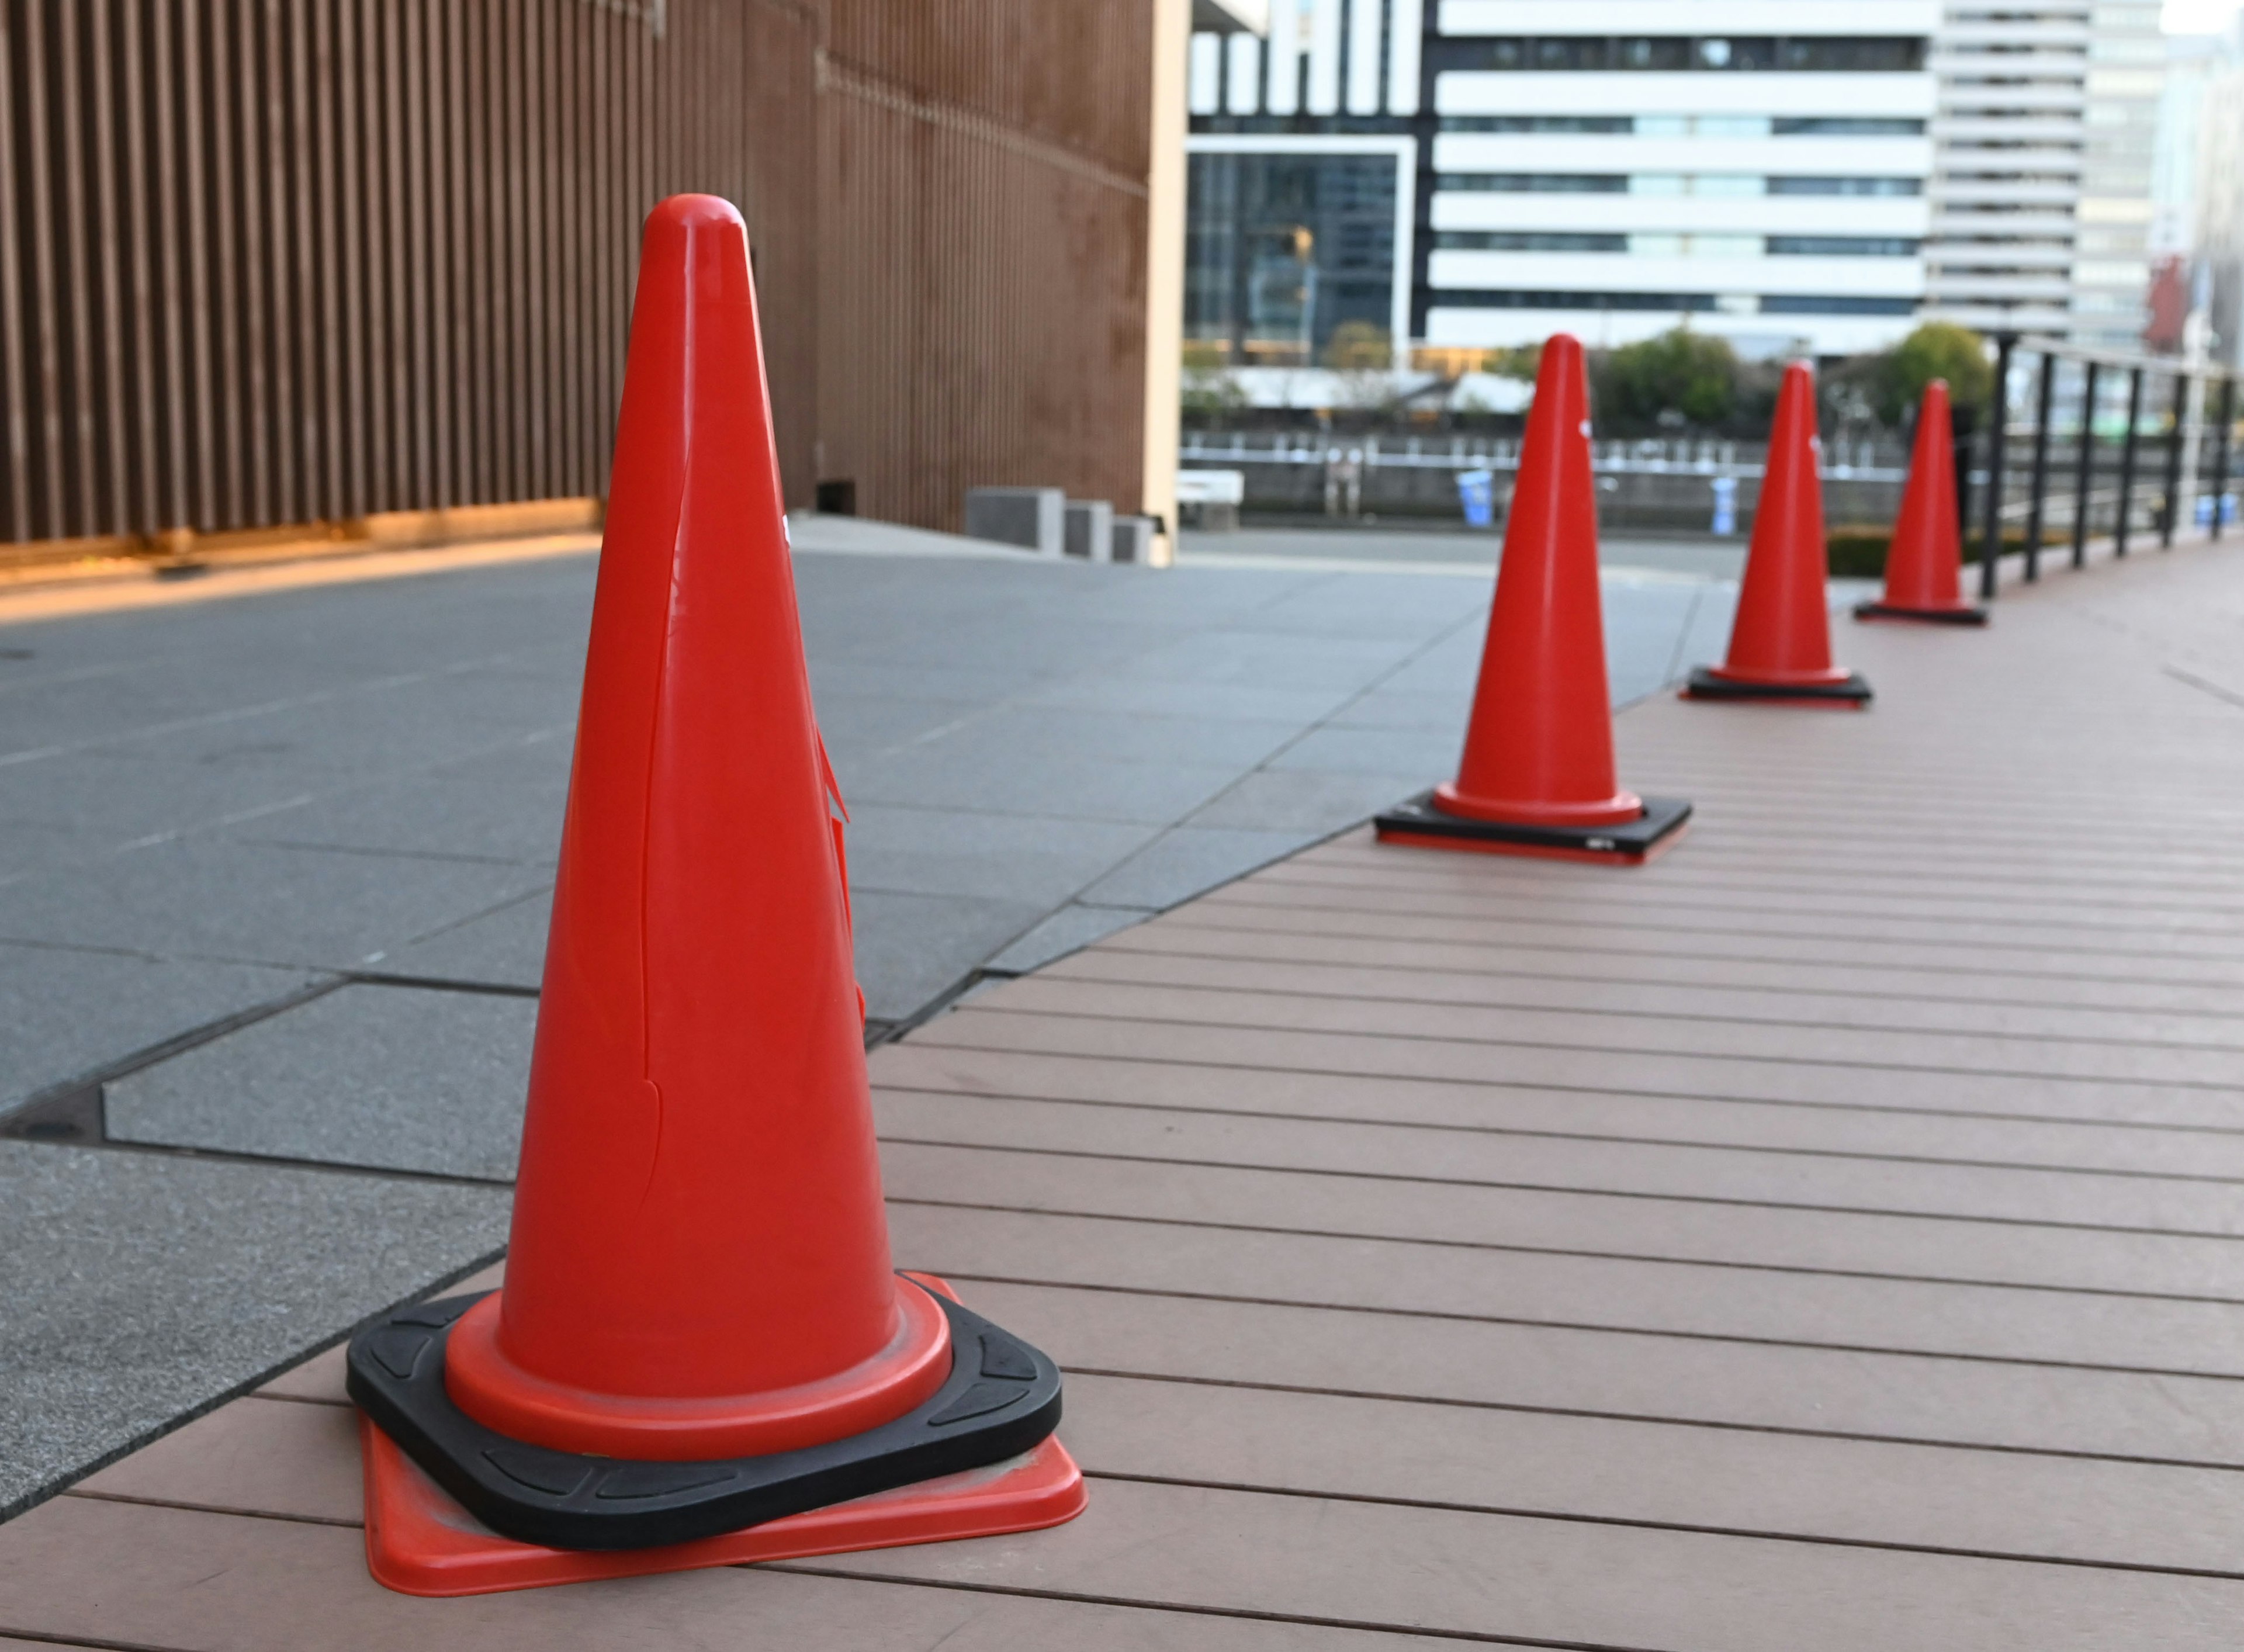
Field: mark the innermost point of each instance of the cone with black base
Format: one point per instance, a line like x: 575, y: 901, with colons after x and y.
x: 701, y: 1354
x: 1924, y: 559
x: 1537, y: 777
x: 1781, y: 641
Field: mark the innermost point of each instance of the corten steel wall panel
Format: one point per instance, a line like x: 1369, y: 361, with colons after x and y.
x: 267, y: 261
x: 982, y: 213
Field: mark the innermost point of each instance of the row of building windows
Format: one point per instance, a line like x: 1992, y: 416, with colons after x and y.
x: 1661, y: 246
x: 1669, y: 183
x: 1694, y: 125
x: 1697, y: 303
x: 1859, y: 54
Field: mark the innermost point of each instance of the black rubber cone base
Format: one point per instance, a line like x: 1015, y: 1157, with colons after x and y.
x: 1002, y: 1399
x: 1707, y: 684
x: 1921, y: 616
x: 1418, y: 822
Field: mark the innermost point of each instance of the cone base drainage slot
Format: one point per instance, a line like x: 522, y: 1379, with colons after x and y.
x: 1966, y: 616
x: 1418, y: 823
x: 1001, y: 1400
x: 1707, y: 684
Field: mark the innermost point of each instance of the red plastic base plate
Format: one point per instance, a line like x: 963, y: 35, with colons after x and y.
x: 420, y: 1541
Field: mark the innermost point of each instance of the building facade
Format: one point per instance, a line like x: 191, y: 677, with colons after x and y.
x: 2010, y: 138
x: 1755, y: 167
x: 288, y: 262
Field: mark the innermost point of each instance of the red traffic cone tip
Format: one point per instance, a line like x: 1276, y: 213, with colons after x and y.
x: 1924, y: 559
x: 700, y: 1355
x: 1780, y: 638
x: 1539, y: 747
x: 1536, y: 776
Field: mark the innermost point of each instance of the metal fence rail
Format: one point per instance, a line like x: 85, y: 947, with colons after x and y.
x: 2170, y: 430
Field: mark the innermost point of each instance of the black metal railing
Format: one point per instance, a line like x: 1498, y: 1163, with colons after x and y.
x: 2188, y: 427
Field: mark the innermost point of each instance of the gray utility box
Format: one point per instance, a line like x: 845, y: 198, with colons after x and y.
x: 1090, y: 529
x: 1133, y: 538
x: 1034, y: 519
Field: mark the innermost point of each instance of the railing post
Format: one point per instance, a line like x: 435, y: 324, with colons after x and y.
x: 2172, y: 502
x: 2039, y: 498
x: 2083, y: 474
x: 2127, y: 461
x: 2220, y: 450
x: 1998, y: 442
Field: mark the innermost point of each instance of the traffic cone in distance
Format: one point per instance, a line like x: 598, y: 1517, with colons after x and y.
x: 1924, y: 559
x: 1780, y: 639
x: 1537, y: 776
x: 700, y: 1348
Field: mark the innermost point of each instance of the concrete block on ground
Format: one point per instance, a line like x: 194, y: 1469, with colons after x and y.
x: 1210, y: 499
x: 1034, y: 519
x: 1090, y: 530
x: 1133, y: 538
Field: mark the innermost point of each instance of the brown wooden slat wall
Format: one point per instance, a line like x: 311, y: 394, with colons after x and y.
x: 267, y: 261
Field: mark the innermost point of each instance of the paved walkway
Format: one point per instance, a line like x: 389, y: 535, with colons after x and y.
x: 1827, y: 1236
x: 275, y: 872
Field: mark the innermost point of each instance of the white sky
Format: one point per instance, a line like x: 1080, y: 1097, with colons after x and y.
x: 2198, y: 17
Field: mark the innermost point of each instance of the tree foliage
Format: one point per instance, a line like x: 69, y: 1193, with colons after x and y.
x: 1885, y: 385
x: 1360, y: 347
x: 1677, y: 377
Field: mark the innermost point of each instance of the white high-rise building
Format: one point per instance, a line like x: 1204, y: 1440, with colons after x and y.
x: 2112, y: 264
x: 1754, y: 166
x: 1477, y: 173
x: 2010, y: 141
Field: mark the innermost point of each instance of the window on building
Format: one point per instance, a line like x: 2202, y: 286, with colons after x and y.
x: 1809, y: 304
x: 1484, y: 298
x: 1535, y: 183
x: 1538, y: 123
x: 1487, y: 241
x: 1866, y: 54
x: 1846, y: 186
x: 1839, y: 246
x: 1845, y: 126
x: 1893, y: 54
x: 1280, y: 249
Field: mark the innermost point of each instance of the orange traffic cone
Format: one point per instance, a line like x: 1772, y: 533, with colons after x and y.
x: 1538, y: 773
x: 1781, y: 641
x: 701, y: 1349
x: 1924, y: 561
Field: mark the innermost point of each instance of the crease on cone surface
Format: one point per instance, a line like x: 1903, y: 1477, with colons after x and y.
x: 1924, y: 559
x: 700, y: 1263
x: 1782, y: 635
x: 1538, y: 750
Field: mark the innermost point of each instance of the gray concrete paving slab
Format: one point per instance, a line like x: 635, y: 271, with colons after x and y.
x: 976, y: 769
x: 105, y: 801
x: 380, y: 1077
x: 911, y: 948
x: 66, y: 1011
x: 146, y: 1288
x: 505, y: 947
x: 1431, y: 752
x: 1073, y: 927
x: 209, y: 899
x: 1312, y: 803
x: 992, y: 855
x: 1186, y: 860
x: 453, y: 812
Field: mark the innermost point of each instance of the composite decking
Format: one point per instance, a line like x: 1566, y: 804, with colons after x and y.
x: 1827, y: 1237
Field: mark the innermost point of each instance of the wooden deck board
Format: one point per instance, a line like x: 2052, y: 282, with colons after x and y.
x: 1832, y: 1235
